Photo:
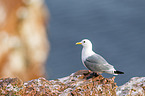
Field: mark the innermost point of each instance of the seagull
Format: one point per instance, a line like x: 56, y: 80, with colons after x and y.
x: 95, y: 62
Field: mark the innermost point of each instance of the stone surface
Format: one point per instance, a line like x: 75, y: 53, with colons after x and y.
x: 135, y: 87
x: 23, y: 40
x: 77, y: 84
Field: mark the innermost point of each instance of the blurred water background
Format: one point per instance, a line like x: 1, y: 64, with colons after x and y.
x: 115, y: 27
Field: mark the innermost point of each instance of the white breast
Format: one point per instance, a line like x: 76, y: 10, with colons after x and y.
x: 86, y: 53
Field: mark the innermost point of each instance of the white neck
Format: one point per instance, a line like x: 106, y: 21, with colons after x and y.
x: 86, y: 52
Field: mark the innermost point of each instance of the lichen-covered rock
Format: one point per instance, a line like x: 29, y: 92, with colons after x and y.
x: 81, y: 83
x: 10, y: 86
x: 74, y: 85
x: 135, y: 87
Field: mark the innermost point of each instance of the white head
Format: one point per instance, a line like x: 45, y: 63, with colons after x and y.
x: 85, y: 43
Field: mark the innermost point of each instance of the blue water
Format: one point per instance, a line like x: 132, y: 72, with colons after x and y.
x: 115, y: 27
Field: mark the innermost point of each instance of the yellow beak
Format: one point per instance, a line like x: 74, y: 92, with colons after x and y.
x: 78, y: 43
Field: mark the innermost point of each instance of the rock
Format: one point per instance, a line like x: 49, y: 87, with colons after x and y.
x: 135, y: 87
x: 23, y: 40
x: 77, y: 84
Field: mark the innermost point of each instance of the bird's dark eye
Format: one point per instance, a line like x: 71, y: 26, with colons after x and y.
x: 84, y: 41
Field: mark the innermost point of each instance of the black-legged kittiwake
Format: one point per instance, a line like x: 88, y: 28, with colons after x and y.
x: 95, y: 62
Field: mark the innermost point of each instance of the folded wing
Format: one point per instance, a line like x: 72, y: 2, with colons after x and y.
x: 97, y: 63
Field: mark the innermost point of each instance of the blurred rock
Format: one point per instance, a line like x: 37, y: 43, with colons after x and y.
x: 23, y: 40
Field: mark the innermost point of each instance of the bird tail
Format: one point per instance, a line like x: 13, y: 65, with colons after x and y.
x: 118, y: 72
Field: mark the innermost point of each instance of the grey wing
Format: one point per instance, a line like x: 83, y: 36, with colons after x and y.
x: 97, y: 63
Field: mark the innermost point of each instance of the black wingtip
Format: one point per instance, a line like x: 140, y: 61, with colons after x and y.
x: 118, y: 72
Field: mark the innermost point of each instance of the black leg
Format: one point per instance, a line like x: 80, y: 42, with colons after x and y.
x: 92, y: 75
x: 95, y: 74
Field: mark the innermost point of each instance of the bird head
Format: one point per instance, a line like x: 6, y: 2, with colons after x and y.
x: 85, y: 43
